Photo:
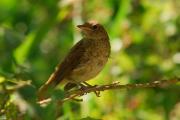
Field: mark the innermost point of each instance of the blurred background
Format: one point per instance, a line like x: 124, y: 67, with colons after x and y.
x: 35, y: 35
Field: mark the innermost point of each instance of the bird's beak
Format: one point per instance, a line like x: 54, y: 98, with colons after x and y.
x: 84, y: 27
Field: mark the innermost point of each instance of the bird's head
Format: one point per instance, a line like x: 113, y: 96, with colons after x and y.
x: 93, y: 30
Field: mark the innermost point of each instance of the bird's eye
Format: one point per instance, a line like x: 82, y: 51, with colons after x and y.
x: 94, y: 27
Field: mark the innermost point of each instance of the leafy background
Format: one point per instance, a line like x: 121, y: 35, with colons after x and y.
x: 35, y: 35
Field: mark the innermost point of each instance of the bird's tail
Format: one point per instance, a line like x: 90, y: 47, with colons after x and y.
x: 53, y: 81
x: 44, y: 90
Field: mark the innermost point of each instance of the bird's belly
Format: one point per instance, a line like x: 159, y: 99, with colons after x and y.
x: 88, y: 70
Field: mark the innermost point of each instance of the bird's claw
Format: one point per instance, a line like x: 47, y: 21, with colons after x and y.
x: 97, y: 93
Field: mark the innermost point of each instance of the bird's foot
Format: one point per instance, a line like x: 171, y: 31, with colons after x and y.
x: 82, y: 88
x: 87, y: 85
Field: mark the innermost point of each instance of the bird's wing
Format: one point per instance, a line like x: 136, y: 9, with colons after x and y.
x: 70, y: 62
x: 64, y: 68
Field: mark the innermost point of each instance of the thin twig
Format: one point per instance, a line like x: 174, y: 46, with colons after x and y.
x: 75, y: 93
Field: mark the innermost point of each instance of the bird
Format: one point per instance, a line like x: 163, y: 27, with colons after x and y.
x: 85, y: 60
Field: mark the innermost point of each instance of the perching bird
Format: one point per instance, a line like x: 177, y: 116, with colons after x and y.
x: 84, y: 61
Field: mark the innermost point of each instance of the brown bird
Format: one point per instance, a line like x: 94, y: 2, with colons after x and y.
x: 84, y: 61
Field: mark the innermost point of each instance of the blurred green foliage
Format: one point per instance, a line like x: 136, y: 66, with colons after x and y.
x: 145, y: 38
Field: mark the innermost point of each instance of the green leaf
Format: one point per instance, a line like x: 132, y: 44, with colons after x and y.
x: 22, y: 51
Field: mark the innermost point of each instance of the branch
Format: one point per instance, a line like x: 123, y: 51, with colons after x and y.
x: 80, y: 92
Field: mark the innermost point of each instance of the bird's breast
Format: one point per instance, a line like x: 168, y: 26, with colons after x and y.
x: 92, y: 62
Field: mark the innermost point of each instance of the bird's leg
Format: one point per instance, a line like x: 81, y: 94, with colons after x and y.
x: 87, y: 84
x: 68, y: 87
x: 96, y: 92
x: 82, y: 86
